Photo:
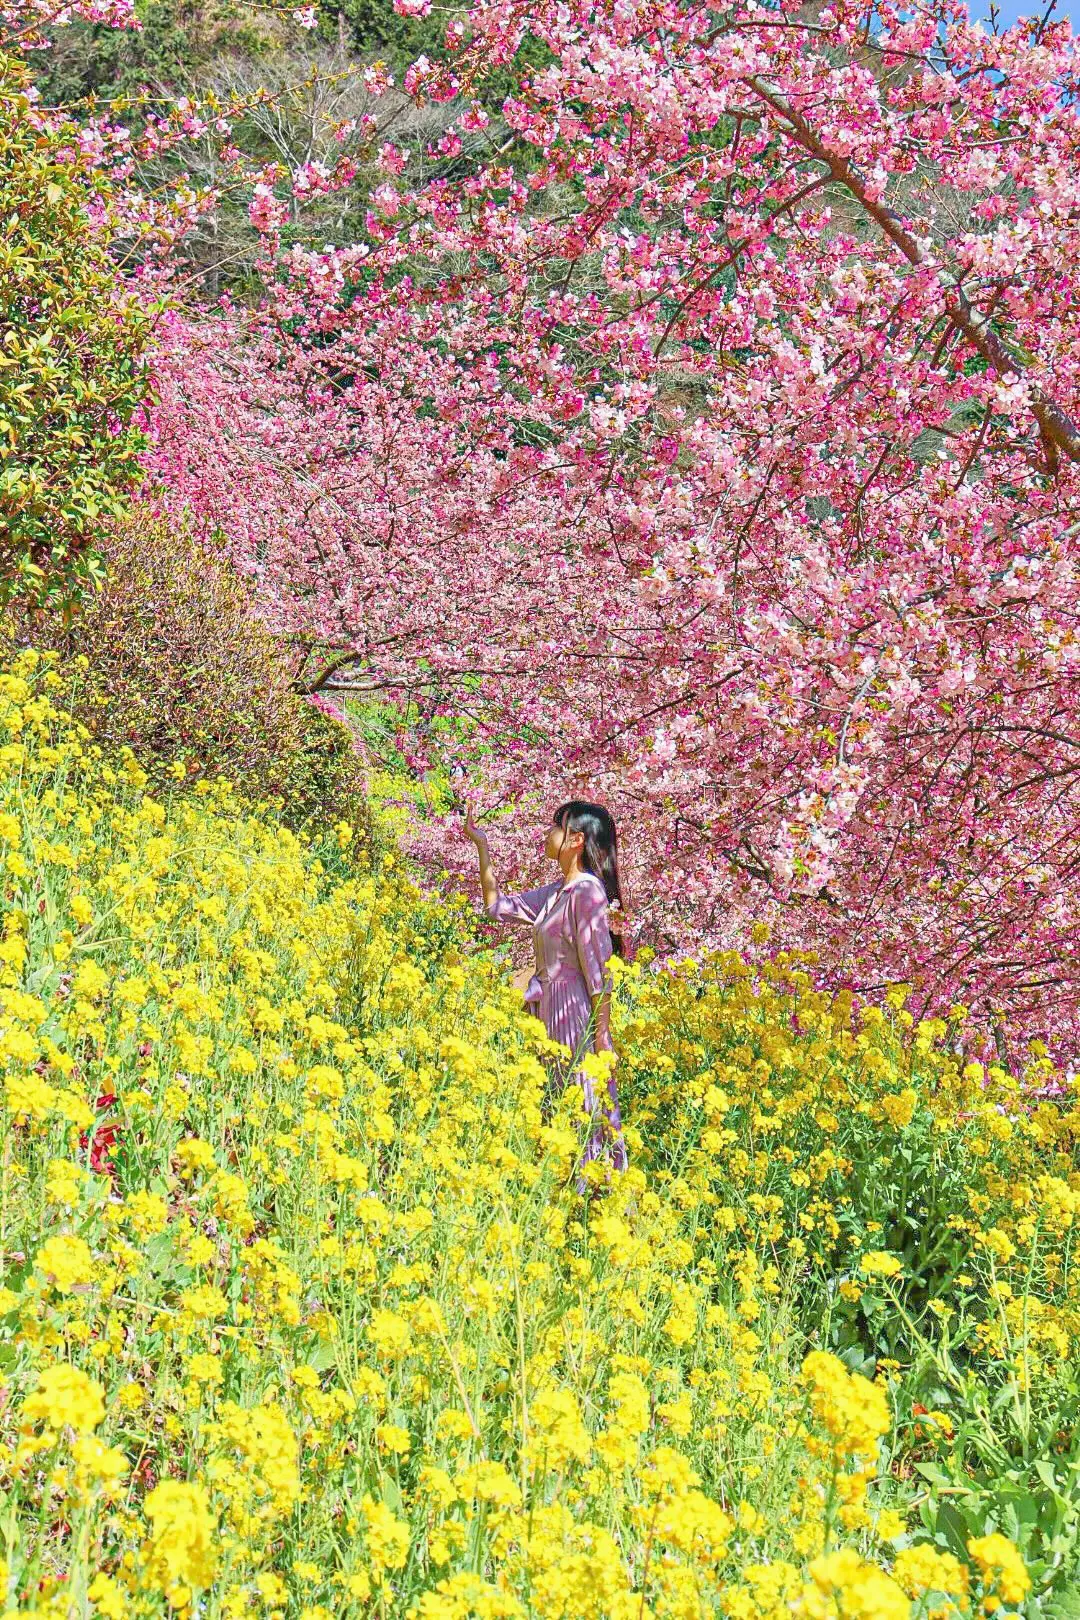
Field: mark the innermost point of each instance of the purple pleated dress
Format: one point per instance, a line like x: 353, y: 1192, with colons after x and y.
x: 572, y: 944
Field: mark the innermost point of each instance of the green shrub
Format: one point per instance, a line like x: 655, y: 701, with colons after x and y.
x: 168, y: 658
x: 72, y: 372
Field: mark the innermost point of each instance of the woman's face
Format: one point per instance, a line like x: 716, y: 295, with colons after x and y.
x: 560, y: 844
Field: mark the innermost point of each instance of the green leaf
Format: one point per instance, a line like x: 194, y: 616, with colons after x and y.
x: 1064, y: 1605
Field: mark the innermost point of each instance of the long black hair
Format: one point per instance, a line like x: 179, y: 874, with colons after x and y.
x: 600, y: 855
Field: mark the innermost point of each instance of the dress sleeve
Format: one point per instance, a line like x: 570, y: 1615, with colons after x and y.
x: 593, y: 937
x: 521, y: 908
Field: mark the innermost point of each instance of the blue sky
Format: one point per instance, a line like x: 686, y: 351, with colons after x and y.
x: 1009, y: 10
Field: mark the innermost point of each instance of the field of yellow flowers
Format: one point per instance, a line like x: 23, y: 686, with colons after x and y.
x: 301, y: 1315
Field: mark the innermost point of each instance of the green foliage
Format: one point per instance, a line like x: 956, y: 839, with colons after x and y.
x: 173, y: 43
x: 376, y: 30
x: 169, y: 659
x: 178, y: 41
x: 72, y: 373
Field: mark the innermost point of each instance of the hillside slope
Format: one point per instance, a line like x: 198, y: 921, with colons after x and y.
x: 301, y: 1315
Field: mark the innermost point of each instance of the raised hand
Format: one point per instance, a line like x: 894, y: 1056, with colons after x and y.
x: 472, y: 832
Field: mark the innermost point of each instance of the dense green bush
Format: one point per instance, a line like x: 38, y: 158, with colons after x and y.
x: 72, y: 372
x: 168, y: 658
x: 179, y: 43
x: 174, y: 44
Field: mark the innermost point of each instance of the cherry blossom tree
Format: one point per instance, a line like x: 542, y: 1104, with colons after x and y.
x: 706, y: 435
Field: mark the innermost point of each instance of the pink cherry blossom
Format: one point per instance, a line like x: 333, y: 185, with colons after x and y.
x: 704, y: 437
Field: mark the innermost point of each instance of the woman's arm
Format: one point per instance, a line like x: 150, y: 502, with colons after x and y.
x: 488, y: 885
x: 601, y: 1021
x: 593, y: 939
x: 504, y: 908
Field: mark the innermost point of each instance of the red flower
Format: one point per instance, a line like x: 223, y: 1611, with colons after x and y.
x: 103, y: 1141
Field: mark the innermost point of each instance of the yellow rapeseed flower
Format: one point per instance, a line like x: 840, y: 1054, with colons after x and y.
x: 66, y: 1398
x: 1002, y: 1569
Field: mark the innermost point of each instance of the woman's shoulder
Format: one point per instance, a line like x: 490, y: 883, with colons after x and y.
x: 588, y: 888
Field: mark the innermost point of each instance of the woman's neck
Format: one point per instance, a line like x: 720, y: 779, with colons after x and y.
x: 573, y: 868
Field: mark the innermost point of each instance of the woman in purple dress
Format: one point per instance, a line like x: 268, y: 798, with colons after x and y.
x: 571, y: 988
